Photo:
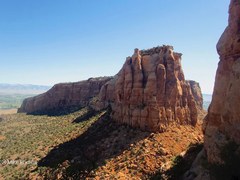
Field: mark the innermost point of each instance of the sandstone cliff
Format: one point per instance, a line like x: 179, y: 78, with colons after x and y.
x: 223, y: 119
x: 150, y: 91
x: 197, y: 93
x: 220, y: 158
x: 63, y: 96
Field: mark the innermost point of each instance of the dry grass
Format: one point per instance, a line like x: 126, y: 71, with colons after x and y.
x: 2, y: 138
x: 8, y: 111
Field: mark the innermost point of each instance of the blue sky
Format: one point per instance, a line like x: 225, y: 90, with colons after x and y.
x: 47, y: 42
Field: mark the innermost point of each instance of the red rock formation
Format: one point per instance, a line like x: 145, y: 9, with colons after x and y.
x: 197, y: 93
x: 223, y: 119
x: 64, y: 95
x: 150, y: 91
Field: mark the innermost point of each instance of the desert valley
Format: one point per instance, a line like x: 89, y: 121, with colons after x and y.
x: 145, y: 122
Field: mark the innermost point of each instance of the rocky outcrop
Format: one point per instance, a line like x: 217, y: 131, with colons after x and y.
x: 197, y: 93
x: 63, y: 96
x: 150, y: 91
x: 222, y: 123
x: 223, y: 119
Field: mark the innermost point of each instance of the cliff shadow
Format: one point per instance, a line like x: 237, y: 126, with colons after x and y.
x: 86, y: 116
x: 103, y: 140
x: 60, y: 111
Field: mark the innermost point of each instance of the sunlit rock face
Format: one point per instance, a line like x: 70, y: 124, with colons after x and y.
x: 223, y: 119
x: 63, y: 96
x: 197, y: 93
x: 150, y: 91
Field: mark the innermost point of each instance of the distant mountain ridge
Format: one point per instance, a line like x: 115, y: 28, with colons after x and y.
x: 6, y: 88
x: 207, y: 98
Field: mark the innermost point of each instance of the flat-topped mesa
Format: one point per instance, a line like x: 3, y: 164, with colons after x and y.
x: 223, y: 119
x: 63, y: 96
x: 150, y: 91
x: 157, y: 49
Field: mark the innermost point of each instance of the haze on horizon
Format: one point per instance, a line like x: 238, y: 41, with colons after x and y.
x: 47, y: 42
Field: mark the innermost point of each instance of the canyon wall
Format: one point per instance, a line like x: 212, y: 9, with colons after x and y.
x: 223, y: 119
x: 63, y: 96
x: 150, y: 91
x: 196, y: 92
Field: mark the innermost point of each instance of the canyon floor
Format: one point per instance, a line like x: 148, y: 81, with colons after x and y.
x: 88, y: 145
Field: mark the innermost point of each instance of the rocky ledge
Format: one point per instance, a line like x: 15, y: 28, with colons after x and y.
x: 64, y: 96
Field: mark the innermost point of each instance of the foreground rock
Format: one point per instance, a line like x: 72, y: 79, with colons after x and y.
x: 150, y: 91
x: 64, y: 96
x: 221, y: 153
x: 223, y: 117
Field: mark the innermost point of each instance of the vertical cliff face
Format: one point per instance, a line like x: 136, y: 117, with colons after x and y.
x: 150, y: 91
x: 223, y: 119
x: 64, y: 96
x: 197, y: 93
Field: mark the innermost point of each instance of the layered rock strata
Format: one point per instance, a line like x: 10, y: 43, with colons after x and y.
x: 223, y: 119
x: 64, y: 95
x: 150, y: 91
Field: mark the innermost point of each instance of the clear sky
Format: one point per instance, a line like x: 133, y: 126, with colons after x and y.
x: 51, y: 41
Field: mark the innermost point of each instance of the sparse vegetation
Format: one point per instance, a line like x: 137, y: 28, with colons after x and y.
x: 179, y: 164
x: 85, y: 144
x: 26, y: 138
x: 12, y: 101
